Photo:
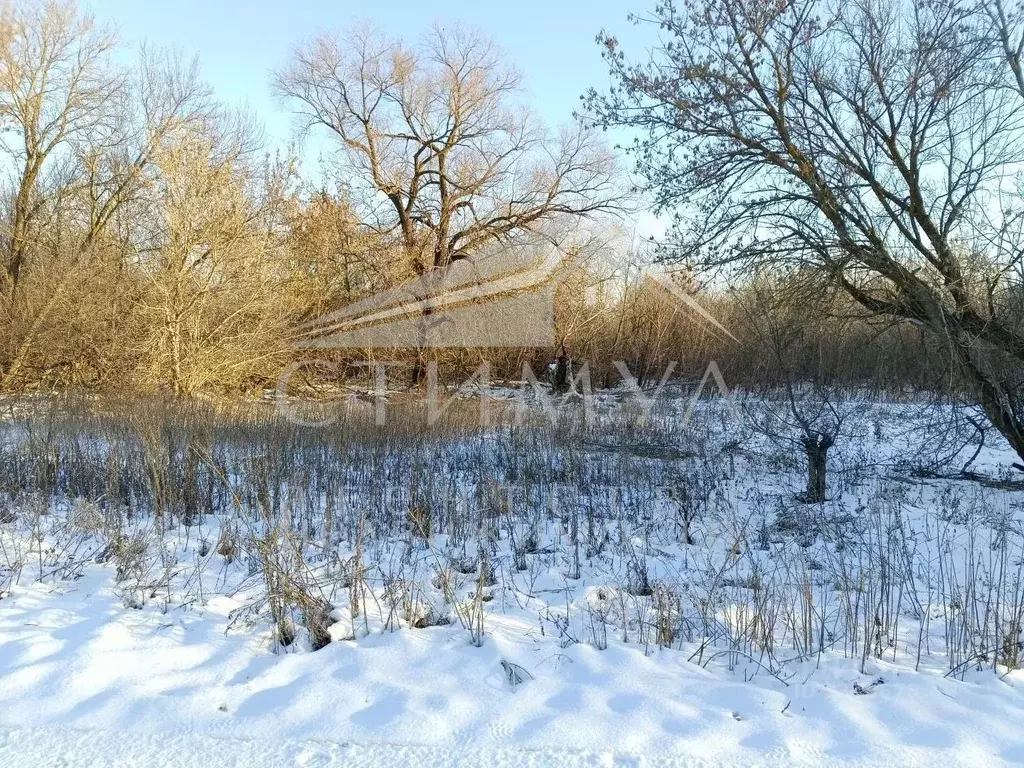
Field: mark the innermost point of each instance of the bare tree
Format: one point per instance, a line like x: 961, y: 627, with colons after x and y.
x: 779, y: 313
x: 55, y: 87
x: 450, y: 160
x: 339, y: 259
x: 82, y: 138
x: 216, y: 308
x: 873, y: 141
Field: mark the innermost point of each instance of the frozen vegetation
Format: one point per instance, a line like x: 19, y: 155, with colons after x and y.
x: 205, y: 585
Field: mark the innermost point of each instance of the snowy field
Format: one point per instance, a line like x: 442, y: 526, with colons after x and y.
x: 515, y: 595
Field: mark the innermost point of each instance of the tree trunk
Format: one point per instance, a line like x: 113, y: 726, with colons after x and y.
x: 995, y: 402
x: 175, y: 332
x: 561, y: 381
x: 687, y: 538
x: 816, y: 448
x: 418, y: 372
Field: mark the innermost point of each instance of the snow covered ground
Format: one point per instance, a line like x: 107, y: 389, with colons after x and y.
x: 86, y: 682
x: 176, y: 664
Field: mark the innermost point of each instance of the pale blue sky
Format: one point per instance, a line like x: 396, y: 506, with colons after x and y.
x: 239, y: 43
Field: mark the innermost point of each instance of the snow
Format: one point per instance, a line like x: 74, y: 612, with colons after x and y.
x: 87, y: 681
x: 141, y: 687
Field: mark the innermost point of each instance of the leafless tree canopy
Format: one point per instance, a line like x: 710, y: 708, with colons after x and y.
x: 114, y: 178
x: 876, y: 141
x: 437, y: 135
x: 149, y: 239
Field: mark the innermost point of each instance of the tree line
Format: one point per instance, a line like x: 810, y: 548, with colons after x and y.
x: 844, y: 179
